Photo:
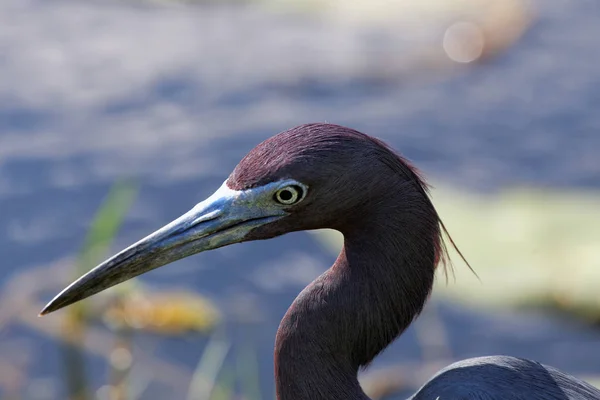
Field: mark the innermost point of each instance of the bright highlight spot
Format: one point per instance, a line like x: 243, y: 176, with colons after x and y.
x: 121, y: 358
x: 464, y: 42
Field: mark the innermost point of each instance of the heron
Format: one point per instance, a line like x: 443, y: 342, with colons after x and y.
x: 317, y: 176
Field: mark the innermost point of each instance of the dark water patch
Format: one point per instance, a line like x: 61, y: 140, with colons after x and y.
x: 241, y: 98
x: 548, y: 339
x: 315, y: 90
x: 321, y: 90
x: 179, y: 90
x: 46, y: 227
x: 24, y: 120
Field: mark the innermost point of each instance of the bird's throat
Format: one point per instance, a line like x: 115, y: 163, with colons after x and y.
x: 348, y: 315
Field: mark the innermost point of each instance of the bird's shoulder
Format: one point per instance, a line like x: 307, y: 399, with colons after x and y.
x: 504, y: 378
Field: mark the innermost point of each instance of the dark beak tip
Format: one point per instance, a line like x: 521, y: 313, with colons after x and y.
x: 45, y: 311
x: 51, y: 307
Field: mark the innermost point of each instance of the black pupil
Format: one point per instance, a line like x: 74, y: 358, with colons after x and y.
x: 286, y: 195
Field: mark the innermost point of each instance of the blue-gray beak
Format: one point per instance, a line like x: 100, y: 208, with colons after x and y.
x: 224, y: 218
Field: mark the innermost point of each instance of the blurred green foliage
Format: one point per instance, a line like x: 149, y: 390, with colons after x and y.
x: 106, y: 224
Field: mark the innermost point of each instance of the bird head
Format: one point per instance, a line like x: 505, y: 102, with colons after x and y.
x: 309, y: 177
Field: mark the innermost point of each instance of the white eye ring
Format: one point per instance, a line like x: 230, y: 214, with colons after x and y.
x: 289, y: 195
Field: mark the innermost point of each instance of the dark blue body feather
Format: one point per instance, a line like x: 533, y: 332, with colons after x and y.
x: 504, y: 378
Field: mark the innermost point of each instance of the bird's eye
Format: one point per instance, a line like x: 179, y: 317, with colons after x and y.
x: 289, y: 195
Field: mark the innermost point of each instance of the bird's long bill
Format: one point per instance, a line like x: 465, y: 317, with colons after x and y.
x: 224, y: 218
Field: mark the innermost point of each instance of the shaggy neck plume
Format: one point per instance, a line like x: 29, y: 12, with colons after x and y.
x: 372, y: 293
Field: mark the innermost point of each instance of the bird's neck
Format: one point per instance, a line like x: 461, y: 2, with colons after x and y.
x: 343, y: 319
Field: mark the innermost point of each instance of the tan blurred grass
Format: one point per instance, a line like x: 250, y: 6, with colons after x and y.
x: 169, y: 312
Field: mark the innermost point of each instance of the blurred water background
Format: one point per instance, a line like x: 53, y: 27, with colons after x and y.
x: 118, y: 116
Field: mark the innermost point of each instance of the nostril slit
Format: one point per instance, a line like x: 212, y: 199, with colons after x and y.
x: 205, y: 217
